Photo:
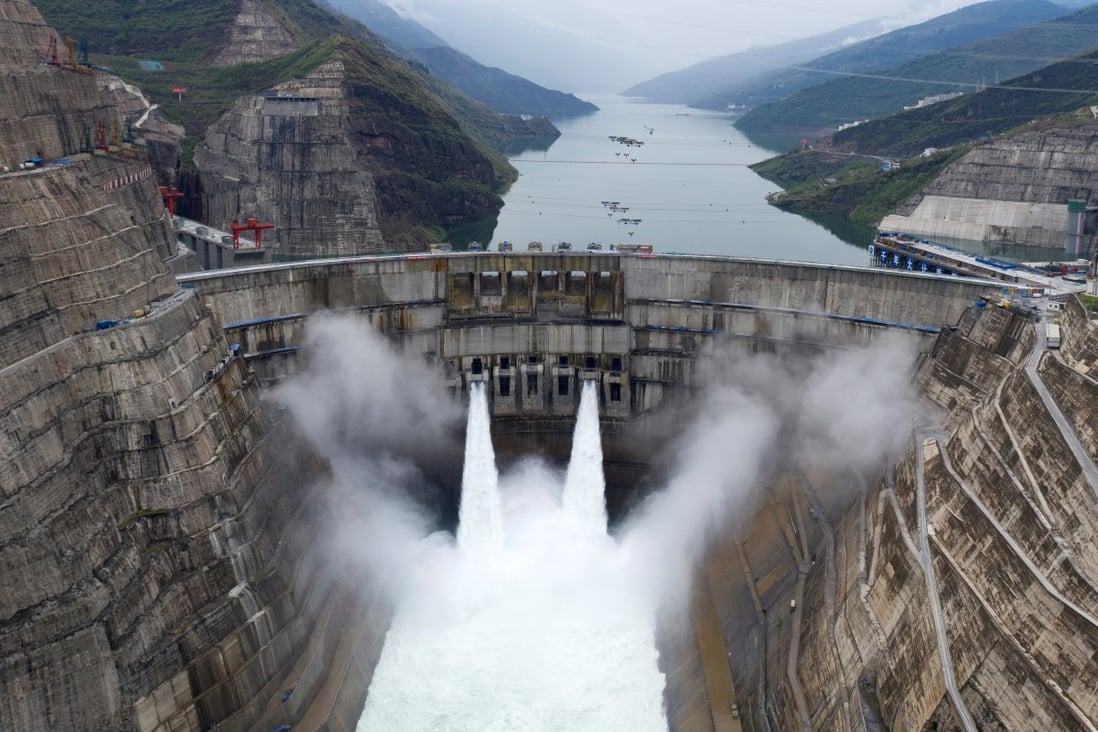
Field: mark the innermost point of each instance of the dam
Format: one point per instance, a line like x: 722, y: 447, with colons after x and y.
x: 871, y: 493
x: 841, y: 591
x: 170, y: 540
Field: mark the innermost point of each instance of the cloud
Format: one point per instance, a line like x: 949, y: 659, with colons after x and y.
x: 383, y: 423
x: 759, y: 414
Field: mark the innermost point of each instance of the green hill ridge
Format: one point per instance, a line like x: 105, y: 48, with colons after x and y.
x: 965, y: 68
x: 966, y: 25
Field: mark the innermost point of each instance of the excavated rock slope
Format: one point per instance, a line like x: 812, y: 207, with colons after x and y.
x: 961, y: 591
x: 151, y: 579
x: 256, y: 35
x: 287, y: 158
x: 353, y: 159
x: 1013, y: 189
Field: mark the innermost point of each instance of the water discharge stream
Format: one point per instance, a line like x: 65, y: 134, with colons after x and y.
x: 539, y: 628
x: 480, y: 519
x: 584, y: 487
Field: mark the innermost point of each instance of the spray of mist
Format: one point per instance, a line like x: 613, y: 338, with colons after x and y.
x: 375, y: 416
x: 534, y: 617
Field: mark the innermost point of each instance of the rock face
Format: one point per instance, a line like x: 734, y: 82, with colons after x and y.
x: 962, y: 586
x: 287, y: 158
x: 1013, y: 189
x: 256, y: 35
x: 149, y: 580
x: 24, y: 36
x: 345, y: 161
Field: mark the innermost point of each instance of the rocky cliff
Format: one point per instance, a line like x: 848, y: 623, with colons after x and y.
x: 256, y: 35
x: 346, y: 161
x: 151, y: 580
x: 959, y: 592
x: 1012, y: 189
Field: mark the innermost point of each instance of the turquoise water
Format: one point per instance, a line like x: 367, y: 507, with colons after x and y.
x: 689, y: 186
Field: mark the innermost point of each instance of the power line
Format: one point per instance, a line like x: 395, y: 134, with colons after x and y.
x: 516, y: 161
x: 963, y: 84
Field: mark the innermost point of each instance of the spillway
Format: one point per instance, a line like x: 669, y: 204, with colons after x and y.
x: 549, y: 632
x: 584, y: 487
x: 480, y: 527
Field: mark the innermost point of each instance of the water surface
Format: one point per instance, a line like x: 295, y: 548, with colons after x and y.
x: 688, y: 184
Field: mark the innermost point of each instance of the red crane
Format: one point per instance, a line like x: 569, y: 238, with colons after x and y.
x: 51, y: 52
x: 169, y: 195
x: 250, y: 226
x: 101, y: 135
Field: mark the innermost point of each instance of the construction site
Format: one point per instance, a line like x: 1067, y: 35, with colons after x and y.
x: 162, y: 522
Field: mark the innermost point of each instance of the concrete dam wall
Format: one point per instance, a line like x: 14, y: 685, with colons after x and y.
x: 901, y: 612
x: 202, y: 598
x: 641, y: 318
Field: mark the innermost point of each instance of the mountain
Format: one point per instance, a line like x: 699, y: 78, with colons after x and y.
x: 203, y: 43
x: 1027, y: 140
x: 708, y: 77
x: 400, y: 33
x: 500, y: 90
x: 590, y: 53
x: 386, y: 157
x: 964, y: 68
x: 967, y: 25
x: 1058, y: 89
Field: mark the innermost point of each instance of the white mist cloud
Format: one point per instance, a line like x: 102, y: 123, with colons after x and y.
x: 857, y: 406
x: 376, y: 416
x: 760, y: 414
x: 559, y: 615
x: 719, y: 470
x: 357, y: 391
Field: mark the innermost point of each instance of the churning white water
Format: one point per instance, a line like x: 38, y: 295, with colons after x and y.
x: 584, y: 487
x: 540, y: 628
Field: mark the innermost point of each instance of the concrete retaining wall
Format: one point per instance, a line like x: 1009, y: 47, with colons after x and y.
x: 944, y: 217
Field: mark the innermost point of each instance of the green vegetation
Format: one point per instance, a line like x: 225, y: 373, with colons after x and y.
x: 430, y: 149
x: 792, y: 169
x: 964, y: 68
x: 185, y: 34
x: 1090, y: 302
x: 966, y: 25
x: 212, y: 90
x: 990, y: 112
x: 498, y: 89
x: 837, y: 185
x: 164, y: 30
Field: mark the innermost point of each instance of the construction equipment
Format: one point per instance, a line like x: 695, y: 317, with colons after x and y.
x: 101, y: 135
x: 51, y: 52
x: 169, y: 195
x: 251, y: 225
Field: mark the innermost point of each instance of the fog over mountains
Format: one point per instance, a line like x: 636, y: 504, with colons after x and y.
x: 609, y: 45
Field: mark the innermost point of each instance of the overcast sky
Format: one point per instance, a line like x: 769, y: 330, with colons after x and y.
x: 606, y: 45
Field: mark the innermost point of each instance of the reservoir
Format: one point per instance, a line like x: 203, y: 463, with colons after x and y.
x: 673, y: 177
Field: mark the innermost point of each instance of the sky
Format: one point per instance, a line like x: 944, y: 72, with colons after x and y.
x: 607, y: 45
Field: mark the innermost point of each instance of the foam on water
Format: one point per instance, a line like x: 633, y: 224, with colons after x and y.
x: 585, y: 487
x: 550, y: 633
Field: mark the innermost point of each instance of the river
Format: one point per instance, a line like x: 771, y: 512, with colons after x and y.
x: 686, y: 188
